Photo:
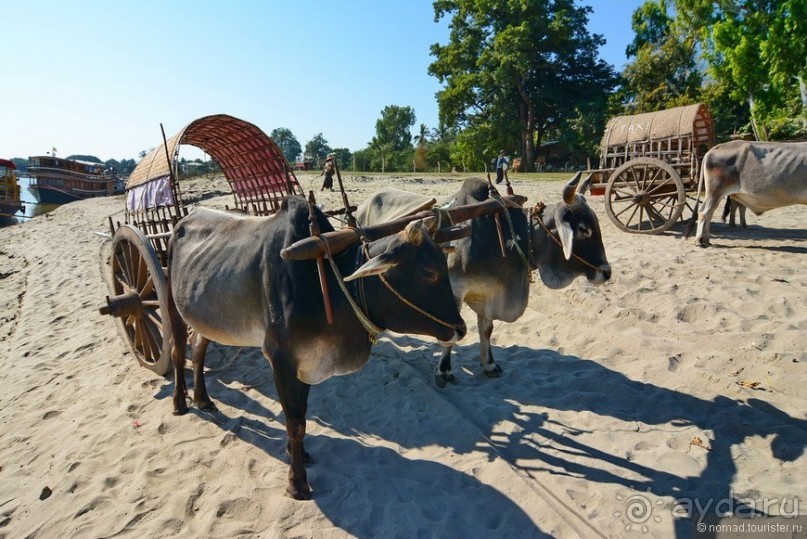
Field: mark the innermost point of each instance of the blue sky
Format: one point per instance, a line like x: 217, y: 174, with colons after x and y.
x: 98, y: 77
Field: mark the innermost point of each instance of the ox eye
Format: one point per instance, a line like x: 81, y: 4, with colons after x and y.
x: 429, y: 274
x: 584, y: 230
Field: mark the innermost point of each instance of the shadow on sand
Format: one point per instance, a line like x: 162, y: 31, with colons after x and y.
x: 463, y: 418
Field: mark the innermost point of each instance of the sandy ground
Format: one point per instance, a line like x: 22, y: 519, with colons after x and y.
x: 676, y: 390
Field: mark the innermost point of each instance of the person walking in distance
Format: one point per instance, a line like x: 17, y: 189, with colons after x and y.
x: 501, y: 166
x: 329, y: 170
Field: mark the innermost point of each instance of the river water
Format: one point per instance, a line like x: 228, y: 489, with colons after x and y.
x: 32, y: 207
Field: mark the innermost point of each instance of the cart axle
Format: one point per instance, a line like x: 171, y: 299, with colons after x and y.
x: 127, y: 304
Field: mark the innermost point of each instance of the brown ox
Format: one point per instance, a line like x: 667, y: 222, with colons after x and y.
x: 228, y: 282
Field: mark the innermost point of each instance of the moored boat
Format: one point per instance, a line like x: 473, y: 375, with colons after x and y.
x: 58, y: 181
x: 10, y: 202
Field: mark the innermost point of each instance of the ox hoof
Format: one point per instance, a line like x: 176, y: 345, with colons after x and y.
x: 180, y: 408
x: 443, y: 378
x: 207, y: 406
x: 495, y: 372
x: 299, y: 493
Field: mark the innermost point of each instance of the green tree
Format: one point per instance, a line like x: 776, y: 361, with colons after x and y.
x: 421, y: 141
x: 757, y: 48
x: 317, y: 148
x: 664, y: 72
x: 287, y: 143
x: 394, y: 127
x: 343, y: 158
x: 363, y: 160
x: 392, y: 144
x: 514, y: 69
x: 438, y: 152
x: 384, y: 152
x: 422, y: 138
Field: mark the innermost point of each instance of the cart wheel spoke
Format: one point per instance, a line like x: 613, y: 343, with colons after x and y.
x: 644, y: 196
x: 136, y: 269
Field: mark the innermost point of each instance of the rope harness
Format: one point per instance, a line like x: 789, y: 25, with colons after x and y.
x: 400, y: 297
x: 372, y: 330
x: 361, y: 311
x: 498, y: 198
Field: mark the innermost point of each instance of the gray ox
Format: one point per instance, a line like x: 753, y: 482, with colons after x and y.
x: 761, y: 176
x: 228, y: 282
x: 497, y: 288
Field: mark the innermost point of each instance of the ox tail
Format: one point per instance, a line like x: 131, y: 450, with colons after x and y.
x: 694, y: 219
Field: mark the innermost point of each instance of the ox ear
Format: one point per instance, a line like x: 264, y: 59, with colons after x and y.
x: 374, y: 266
x: 566, y: 238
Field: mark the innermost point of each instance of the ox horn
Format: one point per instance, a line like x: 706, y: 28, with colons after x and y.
x: 569, y: 191
x: 311, y: 247
x: 431, y: 224
x: 584, y: 187
x: 417, y: 230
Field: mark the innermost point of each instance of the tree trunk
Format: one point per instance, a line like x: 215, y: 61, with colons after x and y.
x: 754, y: 126
x: 526, y: 117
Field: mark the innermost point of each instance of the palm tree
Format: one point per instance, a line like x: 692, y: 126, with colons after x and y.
x: 384, y: 151
x: 422, y: 138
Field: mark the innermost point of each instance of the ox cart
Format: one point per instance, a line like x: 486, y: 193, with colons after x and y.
x: 259, y: 177
x: 649, y: 166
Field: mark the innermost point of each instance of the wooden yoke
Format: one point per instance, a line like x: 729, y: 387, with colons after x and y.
x: 491, y: 191
x: 313, y: 228
x: 338, y: 240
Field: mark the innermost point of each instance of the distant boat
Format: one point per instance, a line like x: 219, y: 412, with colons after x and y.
x: 58, y: 181
x: 9, y: 190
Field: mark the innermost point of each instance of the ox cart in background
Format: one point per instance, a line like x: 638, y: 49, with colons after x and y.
x: 649, y: 166
x: 259, y: 177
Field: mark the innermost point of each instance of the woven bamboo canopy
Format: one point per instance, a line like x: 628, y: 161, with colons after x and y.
x: 254, y: 166
x: 691, y: 120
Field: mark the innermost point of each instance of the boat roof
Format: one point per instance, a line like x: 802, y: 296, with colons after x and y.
x: 79, y: 161
x: 7, y: 163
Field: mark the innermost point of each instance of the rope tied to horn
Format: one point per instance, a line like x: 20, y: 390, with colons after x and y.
x: 537, y: 213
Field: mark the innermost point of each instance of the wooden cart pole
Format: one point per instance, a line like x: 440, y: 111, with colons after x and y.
x: 507, y: 182
x: 171, y: 175
x: 351, y: 221
x: 313, y: 228
x: 491, y: 191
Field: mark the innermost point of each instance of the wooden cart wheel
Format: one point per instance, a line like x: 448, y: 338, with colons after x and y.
x: 140, y: 300
x: 645, y: 196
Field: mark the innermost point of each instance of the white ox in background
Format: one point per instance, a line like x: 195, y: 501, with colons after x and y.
x: 761, y: 176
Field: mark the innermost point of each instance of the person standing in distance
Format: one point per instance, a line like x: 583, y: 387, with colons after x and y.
x: 501, y: 166
x: 328, y: 171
